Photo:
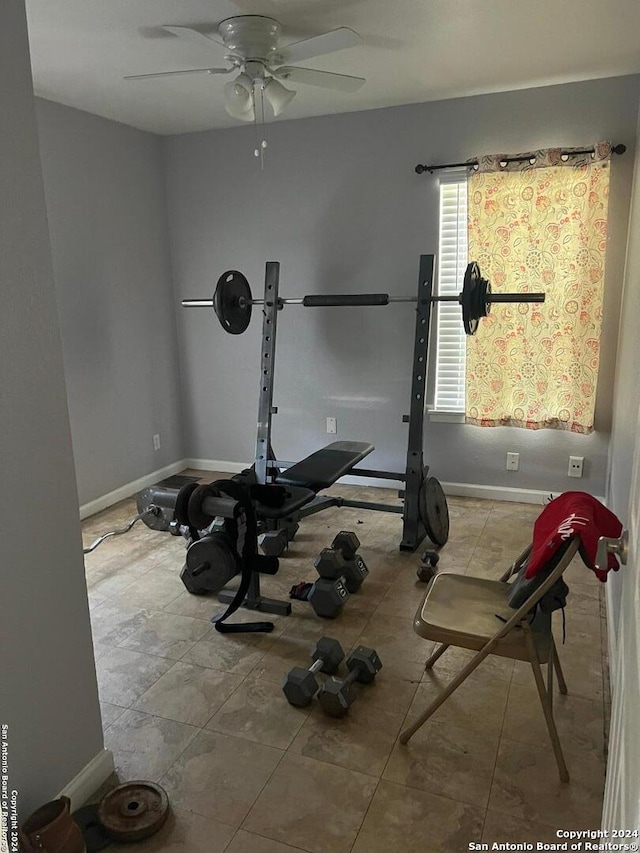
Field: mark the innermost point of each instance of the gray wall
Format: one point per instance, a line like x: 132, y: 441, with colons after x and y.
x: 48, y: 693
x: 104, y: 191
x: 339, y: 205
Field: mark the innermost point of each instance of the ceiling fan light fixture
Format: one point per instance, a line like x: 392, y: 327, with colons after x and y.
x: 238, y: 95
x: 278, y: 96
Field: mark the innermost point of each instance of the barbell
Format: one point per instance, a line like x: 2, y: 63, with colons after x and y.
x: 232, y: 300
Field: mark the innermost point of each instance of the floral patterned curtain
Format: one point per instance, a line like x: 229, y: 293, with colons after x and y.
x: 539, y: 225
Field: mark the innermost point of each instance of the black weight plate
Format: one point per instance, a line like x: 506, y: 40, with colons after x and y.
x: 436, y: 512
x: 91, y: 828
x: 181, y: 513
x: 211, y: 562
x: 480, y: 299
x: 197, y: 516
x: 156, y: 522
x: 468, y: 297
x: 232, y: 302
x: 487, y: 295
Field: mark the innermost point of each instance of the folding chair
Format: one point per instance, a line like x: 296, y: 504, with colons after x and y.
x: 474, y: 613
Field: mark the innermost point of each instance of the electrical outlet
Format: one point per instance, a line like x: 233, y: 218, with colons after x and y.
x: 156, y: 441
x: 513, y: 461
x: 332, y: 426
x: 576, y: 464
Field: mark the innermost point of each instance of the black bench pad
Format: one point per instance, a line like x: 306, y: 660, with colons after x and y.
x: 324, y: 467
x: 297, y: 498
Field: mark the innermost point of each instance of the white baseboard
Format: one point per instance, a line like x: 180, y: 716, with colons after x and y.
x: 89, y: 779
x: 471, y: 490
x: 496, y: 493
x: 217, y: 465
x: 131, y: 488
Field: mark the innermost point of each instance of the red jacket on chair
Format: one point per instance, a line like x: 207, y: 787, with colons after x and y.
x: 573, y: 514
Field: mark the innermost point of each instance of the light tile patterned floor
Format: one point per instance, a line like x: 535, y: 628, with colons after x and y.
x: 204, y: 715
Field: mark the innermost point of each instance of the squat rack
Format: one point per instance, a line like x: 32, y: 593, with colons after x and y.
x: 415, y: 475
x: 233, y: 301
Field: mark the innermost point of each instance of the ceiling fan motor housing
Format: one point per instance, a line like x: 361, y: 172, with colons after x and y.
x: 251, y: 36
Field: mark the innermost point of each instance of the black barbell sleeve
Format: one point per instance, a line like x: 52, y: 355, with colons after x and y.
x: 214, y: 506
x: 493, y: 297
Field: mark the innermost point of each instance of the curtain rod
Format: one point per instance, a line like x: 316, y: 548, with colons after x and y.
x: 420, y: 169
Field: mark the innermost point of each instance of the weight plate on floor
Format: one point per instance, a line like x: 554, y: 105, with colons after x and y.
x: 91, y: 828
x: 232, y: 302
x: 162, y: 520
x: 134, y: 811
x: 436, y: 512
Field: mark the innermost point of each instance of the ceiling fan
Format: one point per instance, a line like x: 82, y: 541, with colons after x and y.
x: 251, y: 45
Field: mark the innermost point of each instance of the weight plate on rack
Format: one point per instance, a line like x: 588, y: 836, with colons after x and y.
x: 232, y: 302
x: 468, y: 298
x: 435, y: 514
x: 134, y: 811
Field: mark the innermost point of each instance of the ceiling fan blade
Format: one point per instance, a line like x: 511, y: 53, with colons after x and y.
x: 324, y: 43
x: 326, y: 79
x: 193, y: 35
x: 179, y: 73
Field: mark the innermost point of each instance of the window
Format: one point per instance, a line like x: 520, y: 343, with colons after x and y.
x: 452, y: 263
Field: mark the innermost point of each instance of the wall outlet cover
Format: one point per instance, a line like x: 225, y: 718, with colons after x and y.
x: 156, y: 441
x: 332, y: 426
x: 576, y: 465
x: 513, y: 461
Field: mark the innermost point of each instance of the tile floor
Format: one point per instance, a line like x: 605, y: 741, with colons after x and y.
x: 203, y: 714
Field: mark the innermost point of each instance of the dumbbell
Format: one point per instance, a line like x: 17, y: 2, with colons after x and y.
x: 291, y: 526
x: 337, y: 694
x: 274, y: 542
x: 330, y: 563
x: 347, y: 543
x: 427, y: 568
x: 327, y: 596
x: 300, y: 685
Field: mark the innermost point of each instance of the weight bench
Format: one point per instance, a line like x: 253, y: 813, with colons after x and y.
x: 324, y: 467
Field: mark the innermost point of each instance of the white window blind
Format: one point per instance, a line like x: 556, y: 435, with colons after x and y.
x: 452, y: 262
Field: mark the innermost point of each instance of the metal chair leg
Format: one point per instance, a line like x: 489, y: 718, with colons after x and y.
x: 550, y: 679
x: 546, y: 707
x: 434, y: 657
x: 562, y: 684
x: 449, y: 689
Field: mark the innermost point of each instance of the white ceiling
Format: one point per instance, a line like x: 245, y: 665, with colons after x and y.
x: 412, y: 51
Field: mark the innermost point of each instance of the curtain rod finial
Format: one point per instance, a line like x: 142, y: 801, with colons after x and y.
x: 619, y: 149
